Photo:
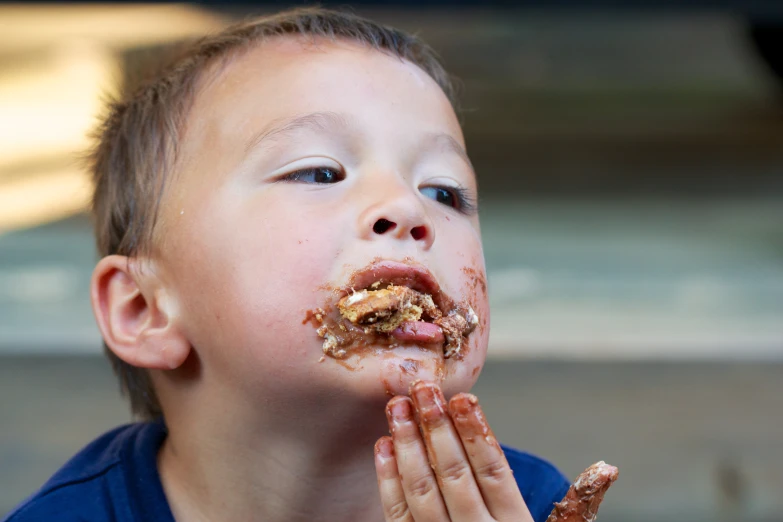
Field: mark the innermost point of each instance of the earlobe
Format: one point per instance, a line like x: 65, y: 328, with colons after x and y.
x: 135, y: 316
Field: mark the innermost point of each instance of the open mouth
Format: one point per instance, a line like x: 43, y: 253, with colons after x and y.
x: 395, y: 303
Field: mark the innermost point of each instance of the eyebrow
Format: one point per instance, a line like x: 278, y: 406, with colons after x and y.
x: 320, y: 121
x: 330, y: 121
x: 447, y: 142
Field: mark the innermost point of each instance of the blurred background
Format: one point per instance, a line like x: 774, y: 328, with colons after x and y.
x: 630, y: 158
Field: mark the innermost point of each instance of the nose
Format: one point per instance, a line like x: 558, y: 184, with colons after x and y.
x: 396, y: 212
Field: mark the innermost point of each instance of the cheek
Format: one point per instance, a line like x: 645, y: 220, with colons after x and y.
x: 282, y: 279
x: 250, y: 281
x: 464, y: 267
x: 461, y: 374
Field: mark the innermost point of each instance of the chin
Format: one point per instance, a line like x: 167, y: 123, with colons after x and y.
x: 383, y: 372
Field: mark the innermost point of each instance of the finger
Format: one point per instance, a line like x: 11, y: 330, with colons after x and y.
x: 418, y: 481
x: 490, y: 467
x: 585, y: 495
x: 395, y: 507
x: 447, y: 456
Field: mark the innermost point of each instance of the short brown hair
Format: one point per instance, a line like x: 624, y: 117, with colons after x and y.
x: 137, y: 143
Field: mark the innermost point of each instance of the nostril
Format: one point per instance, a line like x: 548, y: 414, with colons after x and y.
x: 383, y: 225
x: 418, y: 233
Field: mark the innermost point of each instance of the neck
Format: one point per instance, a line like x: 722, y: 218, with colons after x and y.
x: 278, y: 469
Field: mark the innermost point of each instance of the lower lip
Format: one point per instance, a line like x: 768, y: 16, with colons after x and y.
x: 419, y: 332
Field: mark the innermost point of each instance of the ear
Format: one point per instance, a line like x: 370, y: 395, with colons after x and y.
x: 138, y: 321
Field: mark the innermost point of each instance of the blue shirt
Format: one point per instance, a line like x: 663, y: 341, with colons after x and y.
x: 115, y: 479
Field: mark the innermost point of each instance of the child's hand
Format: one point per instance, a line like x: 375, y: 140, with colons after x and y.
x: 457, y: 472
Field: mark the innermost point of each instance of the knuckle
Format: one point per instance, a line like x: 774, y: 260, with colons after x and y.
x: 422, y: 487
x: 407, y: 440
x: 407, y: 436
x: 434, y: 422
x: 455, y: 471
x: 398, y: 510
x: 495, y: 471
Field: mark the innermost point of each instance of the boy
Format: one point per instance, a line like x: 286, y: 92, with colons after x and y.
x: 288, y: 224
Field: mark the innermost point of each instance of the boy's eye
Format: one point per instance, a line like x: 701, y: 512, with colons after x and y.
x: 321, y: 175
x: 457, y: 198
x: 441, y: 195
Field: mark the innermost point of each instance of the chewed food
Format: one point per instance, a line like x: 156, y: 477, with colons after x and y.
x: 395, y: 308
x: 392, y: 315
x: 389, y: 304
x: 386, y: 309
x: 585, y: 495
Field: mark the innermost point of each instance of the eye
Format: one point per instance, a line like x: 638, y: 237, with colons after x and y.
x: 454, y: 197
x: 319, y: 175
x: 441, y: 195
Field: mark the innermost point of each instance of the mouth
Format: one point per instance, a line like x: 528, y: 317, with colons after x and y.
x: 393, y: 303
x: 384, y: 273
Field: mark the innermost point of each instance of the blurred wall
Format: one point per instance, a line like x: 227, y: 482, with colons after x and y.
x: 629, y: 162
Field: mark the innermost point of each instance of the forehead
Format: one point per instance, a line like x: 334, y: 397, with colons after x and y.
x: 286, y: 76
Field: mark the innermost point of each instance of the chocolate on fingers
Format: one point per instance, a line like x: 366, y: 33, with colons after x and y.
x: 487, y: 460
x: 585, y: 495
x: 417, y: 483
x: 443, y: 462
x: 446, y: 453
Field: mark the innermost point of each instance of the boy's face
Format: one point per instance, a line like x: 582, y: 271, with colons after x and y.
x: 265, y: 220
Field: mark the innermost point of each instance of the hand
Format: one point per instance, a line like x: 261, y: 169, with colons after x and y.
x: 452, y: 469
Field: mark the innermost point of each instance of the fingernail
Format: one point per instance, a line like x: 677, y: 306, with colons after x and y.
x: 429, y: 402
x: 463, y: 404
x: 469, y: 420
x: 384, y: 447
x: 399, y: 410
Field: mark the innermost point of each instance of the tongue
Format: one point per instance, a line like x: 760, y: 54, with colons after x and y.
x: 418, y: 331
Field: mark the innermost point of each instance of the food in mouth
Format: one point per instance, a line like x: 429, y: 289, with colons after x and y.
x: 408, y: 314
x: 392, y: 303
x: 585, y: 495
x: 384, y: 310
